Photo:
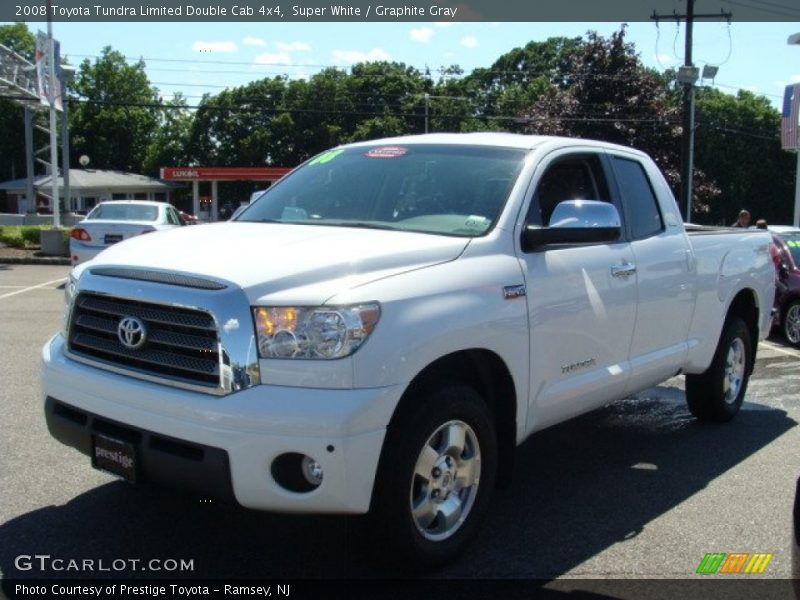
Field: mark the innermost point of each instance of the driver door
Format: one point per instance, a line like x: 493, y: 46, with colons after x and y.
x: 581, y: 300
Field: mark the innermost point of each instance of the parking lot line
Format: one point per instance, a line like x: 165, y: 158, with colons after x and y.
x: 775, y: 347
x: 33, y: 287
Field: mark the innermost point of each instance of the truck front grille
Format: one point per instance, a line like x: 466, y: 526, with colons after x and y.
x: 180, y: 344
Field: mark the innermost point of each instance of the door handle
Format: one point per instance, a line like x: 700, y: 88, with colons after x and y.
x: 623, y: 271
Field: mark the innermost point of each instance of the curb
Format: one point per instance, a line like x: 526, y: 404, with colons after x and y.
x: 36, y: 260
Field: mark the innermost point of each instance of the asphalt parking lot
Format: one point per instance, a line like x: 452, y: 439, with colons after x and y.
x: 635, y: 490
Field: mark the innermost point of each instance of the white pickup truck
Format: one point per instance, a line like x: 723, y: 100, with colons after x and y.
x: 380, y: 330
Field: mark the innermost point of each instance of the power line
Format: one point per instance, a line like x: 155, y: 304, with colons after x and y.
x: 741, y: 132
x: 344, y: 68
x: 665, y: 121
x: 687, y: 151
x: 737, y: 88
x: 280, y: 110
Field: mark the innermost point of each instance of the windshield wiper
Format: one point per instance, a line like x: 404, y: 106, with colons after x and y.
x: 367, y: 225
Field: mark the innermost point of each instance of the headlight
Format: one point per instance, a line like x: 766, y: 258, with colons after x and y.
x: 313, y: 332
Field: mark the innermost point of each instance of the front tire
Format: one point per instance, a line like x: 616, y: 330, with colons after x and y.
x: 717, y: 395
x: 791, y: 323
x: 435, y: 478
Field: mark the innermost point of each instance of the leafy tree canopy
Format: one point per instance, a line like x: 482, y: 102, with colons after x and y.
x: 117, y: 114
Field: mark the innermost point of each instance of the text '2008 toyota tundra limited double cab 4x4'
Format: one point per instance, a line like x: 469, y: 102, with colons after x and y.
x: 380, y: 330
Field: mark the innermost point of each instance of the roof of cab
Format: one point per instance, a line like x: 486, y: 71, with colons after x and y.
x: 499, y: 139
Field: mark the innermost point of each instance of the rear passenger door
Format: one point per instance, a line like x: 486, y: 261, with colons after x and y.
x: 666, y: 284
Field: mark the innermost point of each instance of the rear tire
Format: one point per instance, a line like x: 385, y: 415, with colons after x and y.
x: 717, y: 395
x: 435, y: 479
x: 791, y: 323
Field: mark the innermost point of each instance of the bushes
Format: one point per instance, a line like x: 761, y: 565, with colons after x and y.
x: 11, y: 238
x: 30, y: 234
x: 16, y: 236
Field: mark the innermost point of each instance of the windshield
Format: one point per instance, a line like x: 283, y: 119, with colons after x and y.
x: 124, y: 212
x: 793, y: 243
x: 444, y: 189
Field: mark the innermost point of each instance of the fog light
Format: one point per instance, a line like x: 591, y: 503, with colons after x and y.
x: 312, y: 471
x: 296, y: 472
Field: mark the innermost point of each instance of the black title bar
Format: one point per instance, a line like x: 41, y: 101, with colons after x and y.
x: 276, y: 11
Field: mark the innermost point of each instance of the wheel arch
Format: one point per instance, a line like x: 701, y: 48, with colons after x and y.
x: 487, y: 373
x: 745, y: 306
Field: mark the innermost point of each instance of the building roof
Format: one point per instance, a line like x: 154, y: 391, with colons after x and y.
x: 86, y: 179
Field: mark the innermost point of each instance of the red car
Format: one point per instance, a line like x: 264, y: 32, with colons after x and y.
x: 786, y: 254
x: 187, y: 218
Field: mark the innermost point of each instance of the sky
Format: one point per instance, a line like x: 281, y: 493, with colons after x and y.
x: 194, y: 58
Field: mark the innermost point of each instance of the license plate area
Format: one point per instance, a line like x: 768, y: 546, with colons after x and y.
x: 114, y: 456
x: 112, y: 238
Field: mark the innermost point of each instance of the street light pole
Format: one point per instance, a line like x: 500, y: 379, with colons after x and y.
x: 51, y: 96
x: 67, y: 73
x: 688, y: 118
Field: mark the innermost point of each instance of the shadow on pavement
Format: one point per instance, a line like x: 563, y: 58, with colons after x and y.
x: 575, y: 493
x: 585, y: 485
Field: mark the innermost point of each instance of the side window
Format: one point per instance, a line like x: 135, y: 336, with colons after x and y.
x: 638, y: 198
x: 572, y: 178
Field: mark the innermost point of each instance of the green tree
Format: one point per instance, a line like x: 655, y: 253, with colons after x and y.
x: 282, y: 122
x: 518, y: 78
x: 117, y: 112
x: 388, y: 98
x: 235, y: 127
x: 18, y: 38
x: 169, y: 143
x: 737, y: 144
x: 609, y: 95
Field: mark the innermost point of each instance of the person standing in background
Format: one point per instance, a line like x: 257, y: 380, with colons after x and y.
x: 743, y: 220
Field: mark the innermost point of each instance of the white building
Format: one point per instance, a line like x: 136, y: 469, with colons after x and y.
x: 87, y: 188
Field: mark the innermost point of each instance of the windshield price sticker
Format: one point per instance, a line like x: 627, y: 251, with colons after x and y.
x: 326, y: 157
x: 386, y: 152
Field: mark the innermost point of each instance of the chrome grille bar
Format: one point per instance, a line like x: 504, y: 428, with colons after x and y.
x: 180, y: 344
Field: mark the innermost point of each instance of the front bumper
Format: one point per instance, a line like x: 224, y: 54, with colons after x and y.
x: 343, y: 430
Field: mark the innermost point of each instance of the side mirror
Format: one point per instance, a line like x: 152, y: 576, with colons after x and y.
x: 576, y: 222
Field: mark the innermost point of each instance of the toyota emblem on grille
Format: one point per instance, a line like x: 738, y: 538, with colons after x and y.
x: 131, y: 333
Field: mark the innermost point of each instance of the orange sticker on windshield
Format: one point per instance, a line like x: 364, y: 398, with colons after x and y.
x: 386, y: 152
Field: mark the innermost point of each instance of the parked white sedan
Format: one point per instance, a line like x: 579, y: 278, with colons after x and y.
x: 111, y: 222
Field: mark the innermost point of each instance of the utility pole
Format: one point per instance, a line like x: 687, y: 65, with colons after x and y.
x: 427, y: 103
x: 687, y: 76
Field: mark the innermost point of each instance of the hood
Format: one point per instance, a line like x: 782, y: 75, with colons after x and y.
x: 284, y: 263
